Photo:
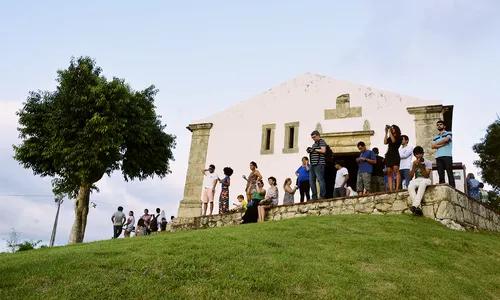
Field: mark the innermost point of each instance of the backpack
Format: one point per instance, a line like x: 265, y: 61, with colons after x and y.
x: 329, y: 155
x: 153, y: 224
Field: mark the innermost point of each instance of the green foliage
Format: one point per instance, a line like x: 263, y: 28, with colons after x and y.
x: 14, y: 243
x: 89, y: 127
x: 489, y: 155
x: 28, y: 245
x: 494, y: 201
x: 328, y: 257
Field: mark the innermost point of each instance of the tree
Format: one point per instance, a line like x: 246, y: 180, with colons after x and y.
x: 494, y: 201
x: 489, y: 156
x: 13, y: 240
x: 15, y: 245
x: 89, y: 127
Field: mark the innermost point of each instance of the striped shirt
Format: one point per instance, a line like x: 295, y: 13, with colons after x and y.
x: 445, y: 150
x: 315, y: 157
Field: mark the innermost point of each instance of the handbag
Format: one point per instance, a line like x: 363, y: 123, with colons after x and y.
x: 265, y: 202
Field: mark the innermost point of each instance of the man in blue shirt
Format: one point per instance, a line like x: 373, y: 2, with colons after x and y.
x: 366, y: 160
x: 443, y: 143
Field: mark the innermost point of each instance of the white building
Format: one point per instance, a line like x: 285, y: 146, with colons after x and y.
x: 273, y: 129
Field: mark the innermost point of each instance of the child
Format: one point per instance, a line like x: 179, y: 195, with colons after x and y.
x: 243, y: 204
x: 163, y: 224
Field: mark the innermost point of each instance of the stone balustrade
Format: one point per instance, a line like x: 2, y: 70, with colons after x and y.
x: 441, y: 203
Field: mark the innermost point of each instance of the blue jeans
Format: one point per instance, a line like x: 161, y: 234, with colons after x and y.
x: 317, y: 172
x: 405, y: 177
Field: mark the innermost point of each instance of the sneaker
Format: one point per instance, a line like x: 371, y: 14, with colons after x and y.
x: 418, y: 212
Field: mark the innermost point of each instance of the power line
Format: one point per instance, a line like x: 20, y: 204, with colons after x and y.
x: 19, y: 195
x: 43, y: 196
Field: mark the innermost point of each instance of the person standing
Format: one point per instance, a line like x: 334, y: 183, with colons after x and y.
x: 421, y: 169
x: 289, y: 192
x: 366, y: 160
x: 317, y: 156
x: 118, y: 220
x: 224, y: 192
x: 129, y: 226
x: 392, y: 139
x: 252, y: 181
x: 209, y: 184
x: 340, y: 180
x: 444, y: 159
x: 378, y: 180
x: 303, y: 179
x: 406, y: 153
x: 146, y: 217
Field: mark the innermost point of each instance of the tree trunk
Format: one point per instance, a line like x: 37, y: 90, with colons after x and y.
x: 81, y: 212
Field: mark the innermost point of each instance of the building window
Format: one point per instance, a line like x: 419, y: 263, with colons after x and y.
x: 267, y: 143
x: 268, y: 139
x: 291, y: 138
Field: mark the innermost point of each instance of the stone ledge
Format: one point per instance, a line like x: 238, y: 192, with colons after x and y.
x: 441, y: 203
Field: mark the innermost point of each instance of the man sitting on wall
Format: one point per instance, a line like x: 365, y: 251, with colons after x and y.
x: 421, y: 170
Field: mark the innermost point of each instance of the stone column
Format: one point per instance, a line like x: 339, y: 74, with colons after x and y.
x: 426, y: 118
x: 190, y: 206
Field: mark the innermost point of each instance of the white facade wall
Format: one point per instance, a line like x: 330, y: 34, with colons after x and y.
x: 235, y: 138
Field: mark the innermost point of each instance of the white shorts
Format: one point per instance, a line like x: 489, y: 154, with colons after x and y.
x: 208, y: 196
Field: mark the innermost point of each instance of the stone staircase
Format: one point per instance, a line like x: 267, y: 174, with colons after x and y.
x: 441, y: 203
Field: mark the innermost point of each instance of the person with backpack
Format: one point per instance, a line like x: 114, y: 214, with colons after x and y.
x: 153, y: 224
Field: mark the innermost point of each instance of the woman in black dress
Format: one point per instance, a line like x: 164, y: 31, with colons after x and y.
x: 392, y: 158
x: 252, y: 213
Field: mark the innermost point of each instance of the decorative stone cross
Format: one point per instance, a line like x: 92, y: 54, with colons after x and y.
x: 343, y: 109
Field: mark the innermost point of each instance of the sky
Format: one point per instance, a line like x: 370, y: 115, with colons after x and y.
x: 205, y: 56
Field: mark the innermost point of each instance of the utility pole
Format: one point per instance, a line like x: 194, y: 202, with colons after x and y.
x: 59, y: 200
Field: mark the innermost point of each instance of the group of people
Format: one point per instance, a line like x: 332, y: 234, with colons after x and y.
x: 146, y: 225
x: 413, y: 174
x: 403, y: 163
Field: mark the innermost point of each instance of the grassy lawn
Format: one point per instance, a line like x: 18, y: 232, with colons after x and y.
x: 346, y: 256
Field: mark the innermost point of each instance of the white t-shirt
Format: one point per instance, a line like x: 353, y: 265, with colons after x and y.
x: 406, y: 154
x: 119, y: 215
x: 208, y: 181
x: 339, y: 179
x: 130, y: 226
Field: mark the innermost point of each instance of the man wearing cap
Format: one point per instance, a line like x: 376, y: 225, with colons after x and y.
x: 209, y: 183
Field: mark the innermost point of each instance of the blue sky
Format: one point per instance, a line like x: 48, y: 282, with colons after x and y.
x: 207, y: 55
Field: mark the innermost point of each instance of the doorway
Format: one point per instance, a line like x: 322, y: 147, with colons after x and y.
x: 351, y: 165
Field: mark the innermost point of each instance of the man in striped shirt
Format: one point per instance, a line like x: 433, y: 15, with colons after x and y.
x: 443, y: 143
x: 317, y: 158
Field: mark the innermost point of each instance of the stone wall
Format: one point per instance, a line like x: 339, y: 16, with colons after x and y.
x: 441, y: 203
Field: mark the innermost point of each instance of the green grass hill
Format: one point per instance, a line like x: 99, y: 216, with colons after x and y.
x: 330, y: 257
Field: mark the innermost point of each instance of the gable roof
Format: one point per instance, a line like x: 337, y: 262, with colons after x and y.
x: 310, y: 82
